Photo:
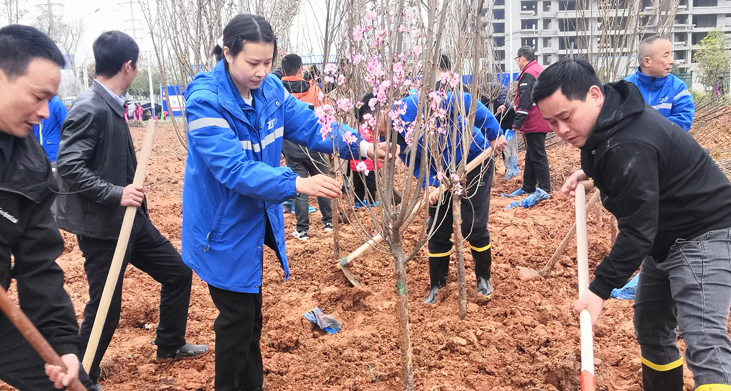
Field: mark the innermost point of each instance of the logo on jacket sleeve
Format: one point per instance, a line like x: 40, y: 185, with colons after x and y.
x: 271, y: 123
x: 8, y: 216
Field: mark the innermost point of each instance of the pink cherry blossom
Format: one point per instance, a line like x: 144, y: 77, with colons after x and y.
x: 361, y: 167
x: 358, y: 32
x: 444, y: 78
x: 372, y: 103
x: 326, y: 118
x: 457, y: 189
x: 345, y: 104
x: 440, y: 176
x: 368, y: 18
x: 349, y: 137
x: 416, y: 50
x: 330, y: 68
x: 409, y: 15
x: 454, y: 80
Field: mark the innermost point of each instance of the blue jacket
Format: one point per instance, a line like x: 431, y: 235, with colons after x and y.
x: 668, y: 95
x: 233, y: 185
x: 486, y: 128
x: 49, y: 132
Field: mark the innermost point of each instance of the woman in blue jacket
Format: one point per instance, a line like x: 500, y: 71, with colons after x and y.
x: 237, y: 117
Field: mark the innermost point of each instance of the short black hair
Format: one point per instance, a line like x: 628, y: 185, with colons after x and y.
x: 291, y: 63
x: 112, y: 50
x: 363, y: 107
x: 444, y: 63
x: 527, y: 52
x: 573, y: 76
x: 244, y: 28
x: 19, y: 45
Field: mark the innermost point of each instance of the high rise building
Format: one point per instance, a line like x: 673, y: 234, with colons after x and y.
x: 556, y: 29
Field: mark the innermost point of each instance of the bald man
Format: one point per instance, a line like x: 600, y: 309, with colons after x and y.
x: 659, y: 88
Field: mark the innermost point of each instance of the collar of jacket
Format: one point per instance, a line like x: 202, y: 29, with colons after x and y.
x: 295, y: 85
x: 622, y: 102
x: 99, y: 89
x: 530, y: 64
x: 651, y: 83
x: 29, y: 172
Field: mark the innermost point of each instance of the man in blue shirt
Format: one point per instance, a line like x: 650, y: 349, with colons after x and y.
x: 48, y: 133
x: 659, y: 88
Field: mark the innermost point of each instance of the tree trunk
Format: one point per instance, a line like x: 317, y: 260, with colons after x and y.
x: 407, y: 366
x: 457, y: 227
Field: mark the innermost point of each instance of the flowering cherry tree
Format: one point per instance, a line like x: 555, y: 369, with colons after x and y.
x: 393, y: 51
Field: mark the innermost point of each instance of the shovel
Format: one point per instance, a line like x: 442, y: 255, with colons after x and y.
x: 119, y: 253
x: 344, y: 263
x: 34, y: 337
x: 588, y: 383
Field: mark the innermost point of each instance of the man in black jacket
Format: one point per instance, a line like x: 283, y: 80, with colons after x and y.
x: 29, y: 76
x: 96, y: 161
x: 673, y: 207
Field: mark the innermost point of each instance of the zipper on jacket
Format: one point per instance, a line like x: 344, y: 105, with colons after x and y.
x: 208, y: 243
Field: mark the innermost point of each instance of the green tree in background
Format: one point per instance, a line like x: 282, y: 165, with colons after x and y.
x: 140, y: 87
x: 712, y: 58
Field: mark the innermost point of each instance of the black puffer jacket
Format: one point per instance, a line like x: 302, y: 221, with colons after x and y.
x: 655, y: 178
x: 29, y: 233
x: 96, y: 160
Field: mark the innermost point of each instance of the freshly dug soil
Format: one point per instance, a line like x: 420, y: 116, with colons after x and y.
x: 525, y: 338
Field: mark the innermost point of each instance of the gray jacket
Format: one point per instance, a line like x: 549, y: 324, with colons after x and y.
x: 92, y: 162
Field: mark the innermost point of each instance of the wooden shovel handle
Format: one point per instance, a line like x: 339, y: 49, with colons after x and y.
x: 119, y: 253
x: 34, y: 337
x: 582, y: 254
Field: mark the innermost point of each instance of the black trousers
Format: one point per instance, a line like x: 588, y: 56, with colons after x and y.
x: 238, y: 333
x: 475, y: 212
x: 536, y: 163
x: 150, y: 252
x: 364, y: 187
x: 305, y: 167
x: 20, y: 366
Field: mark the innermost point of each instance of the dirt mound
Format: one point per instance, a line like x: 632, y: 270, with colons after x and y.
x: 525, y: 338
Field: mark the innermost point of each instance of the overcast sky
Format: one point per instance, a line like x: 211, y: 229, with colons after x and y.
x: 102, y: 15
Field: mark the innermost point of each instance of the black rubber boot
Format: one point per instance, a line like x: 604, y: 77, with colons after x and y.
x: 670, y: 380
x: 483, y: 264
x: 438, y: 269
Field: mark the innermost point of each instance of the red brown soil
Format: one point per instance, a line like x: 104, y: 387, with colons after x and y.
x: 525, y: 338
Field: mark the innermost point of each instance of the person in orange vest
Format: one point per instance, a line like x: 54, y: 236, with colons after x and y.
x: 294, y: 82
x: 303, y: 162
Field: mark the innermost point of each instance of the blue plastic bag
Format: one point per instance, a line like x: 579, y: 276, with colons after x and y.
x: 628, y: 291
x: 510, y: 155
x: 531, y: 200
x: 325, y: 322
